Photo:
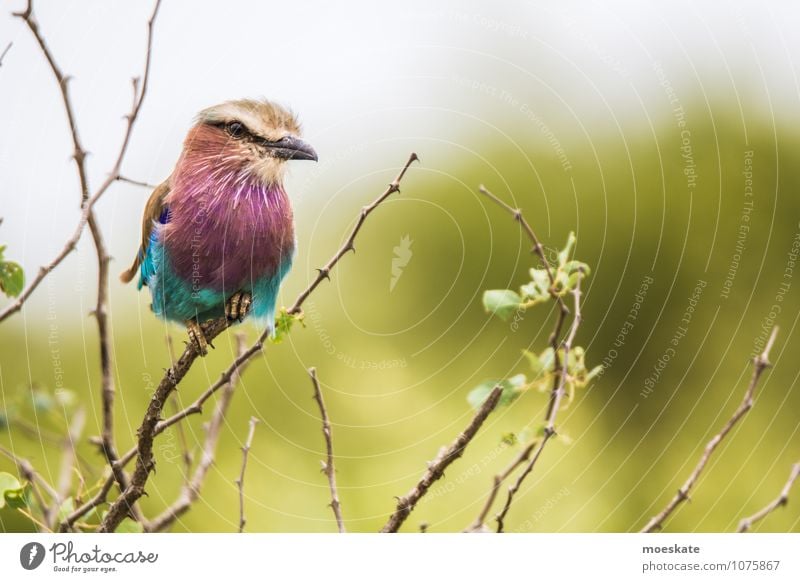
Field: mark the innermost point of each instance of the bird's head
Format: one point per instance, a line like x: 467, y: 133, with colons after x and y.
x: 253, y: 136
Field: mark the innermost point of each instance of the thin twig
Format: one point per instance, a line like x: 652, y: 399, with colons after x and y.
x: 191, y: 489
x: 186, y: 453
x: 524, y: 455
x: 780, y: 501
x: 760, y: 363
x: 145, y: 462
x: 27, y: 471
x: 69, y: 456
x: 436, y: 468
x: 88, y: 218
x: 327, y: 465
x: 240, y: 481
x: 537, y: 246
x: 79, y: 153
x: 5, y: 51
x: 121, y: 178
x: 556, y: 395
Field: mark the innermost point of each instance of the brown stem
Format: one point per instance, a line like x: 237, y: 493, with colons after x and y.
x: 524, y: 455
x: 240, y: 481
x: 327, y: 465
x: 537, y: 246
x: 760, y: 363
x: 780, y: 501
x: 436, y: 468
x: 191, y: 490
x: 556, y: 395
x: 79, y: 153
x: 5, y: 52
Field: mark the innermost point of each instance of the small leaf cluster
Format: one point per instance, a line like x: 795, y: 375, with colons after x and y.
x: 565, y: 272
x: 545, y: 367
x: 283, y: 325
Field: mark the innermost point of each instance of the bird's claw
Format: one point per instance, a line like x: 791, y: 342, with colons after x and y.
x: 238, y: 306
x: 197, y: 337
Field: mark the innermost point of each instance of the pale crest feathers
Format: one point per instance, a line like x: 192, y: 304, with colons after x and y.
x: 264, y: 118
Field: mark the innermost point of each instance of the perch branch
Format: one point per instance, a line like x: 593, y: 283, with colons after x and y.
x: 240, y: 481
x: 781, y: 500
x: 436, y: 468
x: 191, y: 489
x: 760, y: 363
x: 556, y: 395
x: 211, y: 329
x: 327, y: 465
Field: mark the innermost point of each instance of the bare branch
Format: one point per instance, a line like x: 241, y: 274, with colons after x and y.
x: 537, y: 246
x: 5, y: 51
x: 327, y: 465
x: 781, y: 500
x: 145, y: 462
x: 436, y: 468
x: 121, y: 178
x: 240, y: 481
x: 556, y: 395
x: 324, y: 272
x: 79, y: 153
x: 69, y: 457
x: 524, y: 455
x: 760, y: 363
x: 27, y: 472
x: 191, y: 490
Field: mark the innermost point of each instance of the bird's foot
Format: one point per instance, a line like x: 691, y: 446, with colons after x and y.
x: 238, y: 306
x: 197, y: 337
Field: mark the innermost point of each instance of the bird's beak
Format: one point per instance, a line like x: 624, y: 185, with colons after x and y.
x: 292, y: 148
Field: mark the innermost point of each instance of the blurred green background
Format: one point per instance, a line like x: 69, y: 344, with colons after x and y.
x: 593, y: 146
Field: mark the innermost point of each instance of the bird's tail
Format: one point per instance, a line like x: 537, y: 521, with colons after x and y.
x: 127, y: 275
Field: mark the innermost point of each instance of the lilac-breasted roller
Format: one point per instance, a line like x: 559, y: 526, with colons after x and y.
x: 218, y: 234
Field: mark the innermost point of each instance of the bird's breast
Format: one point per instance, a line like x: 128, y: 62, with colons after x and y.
x: 228, y: 235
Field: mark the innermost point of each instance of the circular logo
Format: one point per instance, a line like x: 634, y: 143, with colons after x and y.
x: 31, y: 555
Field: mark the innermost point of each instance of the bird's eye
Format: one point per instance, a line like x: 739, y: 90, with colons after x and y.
x: 235, y: 129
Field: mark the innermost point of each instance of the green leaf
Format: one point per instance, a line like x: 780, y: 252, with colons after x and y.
x: 283, y: 325
x: 511, y: 389
x: 12, y: 278
x: 537, y: 368
x: 11, y: 491
x: 594, y: 372
x: 509, y: 439
x: 547, y: 360
x: 501, y: 302
x: 563, y: 256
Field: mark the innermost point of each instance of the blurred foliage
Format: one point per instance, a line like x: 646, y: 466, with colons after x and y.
x: 397, y: 361
x: 12, y: 277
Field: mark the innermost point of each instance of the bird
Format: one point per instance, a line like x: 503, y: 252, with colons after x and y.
x: 218, y: 235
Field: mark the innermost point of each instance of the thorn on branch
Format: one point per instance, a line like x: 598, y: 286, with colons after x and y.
x: 406, y: 504
x: 759, y: 364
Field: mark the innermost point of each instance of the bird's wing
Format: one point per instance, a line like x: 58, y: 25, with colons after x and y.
x: 155, y: 211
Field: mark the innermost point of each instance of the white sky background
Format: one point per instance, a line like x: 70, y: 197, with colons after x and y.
x: 374, y: 79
